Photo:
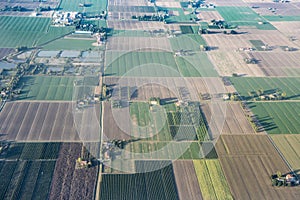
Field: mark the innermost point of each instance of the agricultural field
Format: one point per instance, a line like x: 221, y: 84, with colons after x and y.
x: 21, y: 34
x: 248, y: 161
x: 278, y: 63
x: 24, y: 121
x: 93, y: 6
x: 23, y: 151
x: 277, y: 117
x: 234, y: 118
x: 211, y: 179
x: 147, y: 64
x: 168, y: 89
x: 278, y: 18
x: 133, y: 25
x: 158, y: 184
x: 243, y: 16
x: 196, y: 65
x: 24, y: 174
x: 46, y: 88
x: 70, y: 44
x: 71, y: 183
x: 289, y: 145
x: 187, y: 42
x: 186, y: 180
x: 25, y: 179
x: 138, y: 44
x: 267, y: 86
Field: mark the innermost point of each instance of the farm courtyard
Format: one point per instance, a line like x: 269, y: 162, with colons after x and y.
x: 136, y: 99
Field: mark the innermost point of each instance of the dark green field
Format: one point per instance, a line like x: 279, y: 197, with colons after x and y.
x: 278, y: 117
x: 244, y: 85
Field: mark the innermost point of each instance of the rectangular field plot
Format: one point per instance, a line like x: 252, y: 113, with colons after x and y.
x: 143, y: 64
x: 278, y: 63
x: 138, y: 44
x: 21, y: 31
x: 158, y: 184
x: 249, y: 87
x: 187, y: 42
x: 25, y: 179
x: 278, y: 117
x: 91, y: 7
x: 196, y: 65
x: 233, y: 119
x: 186, y: 180
x: 279, y: 18
x: 244, y: 16
x: 289, y: 145
x: 24, y: 121
x: 23, y: 151
x: 248, y: 161
x: 68, y: 182
x: 46, y: 88
x: 211, y: 179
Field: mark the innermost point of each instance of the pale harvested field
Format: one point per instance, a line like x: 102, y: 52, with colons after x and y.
x: 234, y: 122
x: 129, y: 3
x: 247, y: 162
x: 42, y: 121
x: 134, y: 25
x: 186, y: 180
x: 138, y: 43
x: 111, y: 129
x: 170, y: 4
x: 227, y: 63
x: 235, y: 3
x: 207, y: 16
x: 284, y: 9
x: 290, y: 29
x: 278, y: 63
x: 166, y: 88
x: 273, y: 38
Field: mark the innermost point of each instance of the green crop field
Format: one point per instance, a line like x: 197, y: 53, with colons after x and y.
x: 187, y: 42
x: 279, y: 18
x: 158, y: 184
x: 289, y: 145
x: 26, y: 170
x: 211, y: 179
x: 197, y: 65
x: 244, y: 85
x: 243, y: 16
x: 70, y: 44
x: 131, y: 33
x: 257, y: 44
x: 46, y: 88
x: 93, y: 6
x: 54, y: 33
x: 278, y: 117
x: 25, y: 179
x: 22, y: 31
x: 24, y: 151
x: 164, y: 150
x: 28, y: 31
x: 147, y: 64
